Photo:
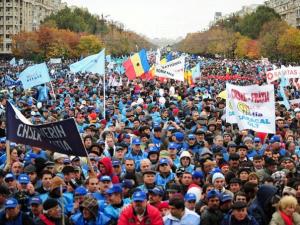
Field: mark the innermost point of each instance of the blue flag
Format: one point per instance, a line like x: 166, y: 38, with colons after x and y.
x: 13, y: 62
x: 196, y: 72
x: 283, y: 83
x: 169, y: 57
x: 11, y: 82
x: 34, y: 75
x: 93, y: 64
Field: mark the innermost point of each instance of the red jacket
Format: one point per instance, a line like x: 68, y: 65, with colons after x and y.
x: 152, y: 217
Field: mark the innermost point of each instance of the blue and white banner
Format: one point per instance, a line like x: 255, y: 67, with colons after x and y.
x: 62, y: 136
x: 251, y: 107
x: 34, y: 75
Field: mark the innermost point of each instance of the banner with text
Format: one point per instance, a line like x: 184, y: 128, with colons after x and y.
x: 55, y: 61
x: 62, y: 136
x: 287, y: 72
x: 172, y: 70
x: 251, y: 107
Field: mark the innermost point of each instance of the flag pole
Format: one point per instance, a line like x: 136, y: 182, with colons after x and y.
x: 104, y: 101
x: 8, y: 159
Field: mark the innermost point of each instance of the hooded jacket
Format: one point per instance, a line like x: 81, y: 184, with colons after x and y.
x: 260, y: 207
x: 106, y: 162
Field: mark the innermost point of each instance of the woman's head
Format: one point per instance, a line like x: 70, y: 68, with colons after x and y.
x: 287, y: 204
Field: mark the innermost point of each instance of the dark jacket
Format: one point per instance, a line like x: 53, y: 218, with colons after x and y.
x: 21, y: 219
x: 260, y: 208
x: 211, y: 217
x: 230, y: 220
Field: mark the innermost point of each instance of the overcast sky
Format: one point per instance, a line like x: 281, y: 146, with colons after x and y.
x: 162, y: 18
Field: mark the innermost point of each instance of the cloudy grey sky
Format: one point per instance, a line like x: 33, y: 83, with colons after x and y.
x: 163, y: 18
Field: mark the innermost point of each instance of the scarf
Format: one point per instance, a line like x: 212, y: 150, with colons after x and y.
x: 288, y: 220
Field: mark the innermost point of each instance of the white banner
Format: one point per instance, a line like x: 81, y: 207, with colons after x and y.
x: 55, y: 61
x: 287, y: 72
x: 173, y: 69
x: 251, y: 107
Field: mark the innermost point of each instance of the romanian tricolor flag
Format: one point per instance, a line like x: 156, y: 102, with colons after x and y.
x: 136, y: 65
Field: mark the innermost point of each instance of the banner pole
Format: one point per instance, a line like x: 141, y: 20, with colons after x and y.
x: 8, y: 159
x: 62, y: 205
x: 104, y: 101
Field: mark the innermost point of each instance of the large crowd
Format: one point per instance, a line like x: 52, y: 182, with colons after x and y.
x: 161, y: 152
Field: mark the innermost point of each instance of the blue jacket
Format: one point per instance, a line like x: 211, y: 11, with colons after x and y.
x: 114, y: 212
x: 249, y: 220
x: 162, y: 181
x: 189, y: 218
x: 78, y: 219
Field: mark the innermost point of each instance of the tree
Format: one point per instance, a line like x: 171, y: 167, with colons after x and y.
x: 269, y: 38
x: 289, y: 45
x: 252, y: 23
x: 247, y: 48
x: 89, y: 44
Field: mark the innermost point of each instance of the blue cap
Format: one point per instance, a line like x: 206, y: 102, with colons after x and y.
x: 3, y: 140
x: 190, y: 197
x: 197, y: 174
x: 156, y: 124
x: 179, y: 136
x: 275, y: 138
x: 116, y: 188
x: 23, y: 179
x: 67, y: 161
x: 139, y: 196
x: 157, y: 191
x: 212, y: 194
x: 170, y: 128
x: 225, y: 198
x: 163, y: 161
x: 191, y: 136
x: 11, y: 203
x: 9, y: 176
x: 116, y: 163
x: 105, y: 178
x: 80, y: 191
x: 126, y: 136
x: 35, y: 200
x: 153, y: 149
x: 172, y: 145
x: 136, y: 141
x: 127, y: 183
x: 257, y: 139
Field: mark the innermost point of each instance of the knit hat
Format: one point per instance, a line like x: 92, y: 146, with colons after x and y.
x: 217, y: 176
x: 91, y: 205
x: 57, y: 182
x: 50, y: 203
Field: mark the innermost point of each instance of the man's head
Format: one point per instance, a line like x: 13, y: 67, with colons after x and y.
x: 89, y: 208
x: 164, y: 166
x: 239, y: 210
x: 36, y: 206
x: 114, y: 194
x: 190, y: 201
x: 104, y: 183
x: 177, y: 207
x: 12, y: 208
x: 213, y: 199
x: 155, y: 195
x: 52, y: 208
x: 218, y: 180
x: 149, y: 177
x: 139, y: 202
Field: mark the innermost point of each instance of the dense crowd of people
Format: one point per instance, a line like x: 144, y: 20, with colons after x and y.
x: 161, y: 152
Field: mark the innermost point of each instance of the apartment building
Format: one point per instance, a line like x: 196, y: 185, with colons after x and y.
x: 22, y: 15
x: 289, y: 10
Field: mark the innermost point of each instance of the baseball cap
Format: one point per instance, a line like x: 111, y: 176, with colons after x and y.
x: 257, y: 139
x: 10, y: 203
x: 136, y: 141
x: 116, y: 163
x: 127, y: 183
x: 225, y: 198
x: 105, y: 178
x: 212, y: 194
x: 9, y: 176
x: 116, y: 188
x: 23, y: 179
x: 3, y: 140
x: 163, y: 161
x: 190, y: 197
x: 275, y: 138
x: 139, y: 196
x: 153, y: 149
x: 197, y: 174
x: 157, y: 191
x: 80, y: 191
x: 191, y: 137
x: 172, y: 145
x: 179, y: 136
x: 35, y: 200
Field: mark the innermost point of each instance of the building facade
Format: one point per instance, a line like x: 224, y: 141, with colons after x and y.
x: 22, y: 15
x: 289, y: 10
